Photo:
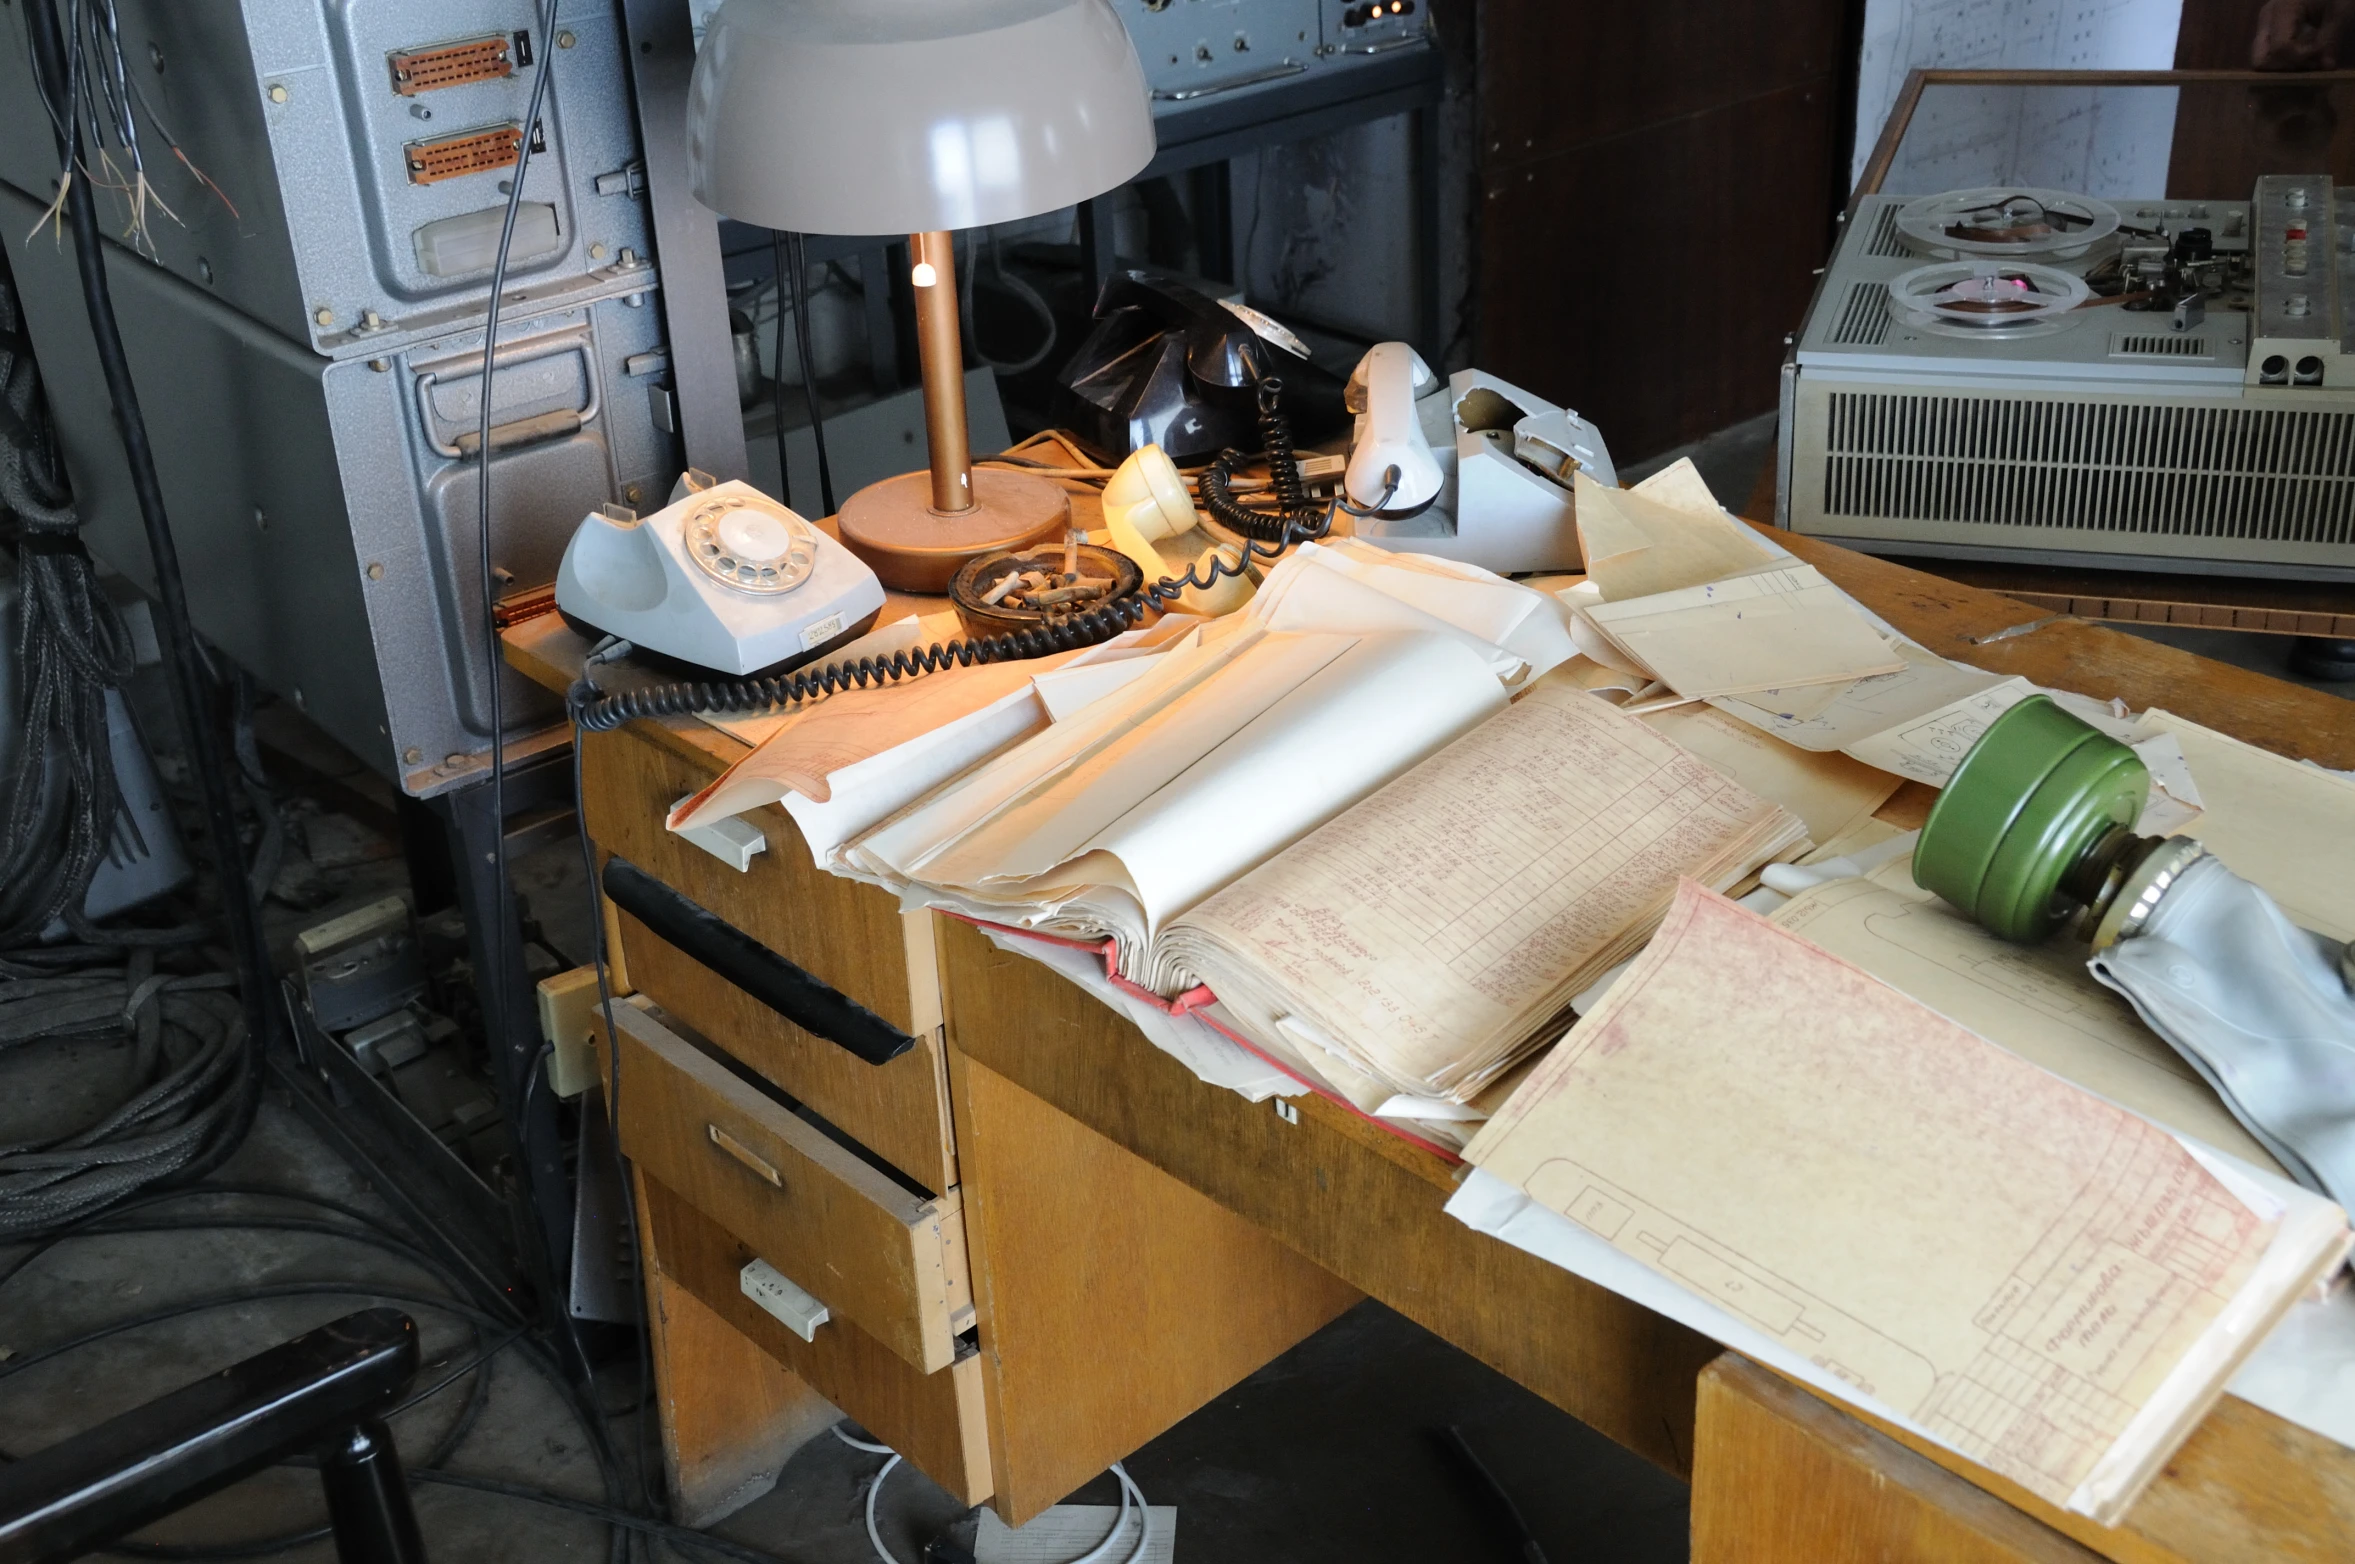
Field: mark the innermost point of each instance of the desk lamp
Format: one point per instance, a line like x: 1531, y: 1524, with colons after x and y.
x: 917, y: 117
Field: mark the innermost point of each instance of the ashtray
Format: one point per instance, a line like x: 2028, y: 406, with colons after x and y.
x: 1014, y: 589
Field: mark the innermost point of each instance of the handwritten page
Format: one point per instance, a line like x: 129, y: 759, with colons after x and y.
x: 1773, y: 629
x: 1437, y: 930
x: 1271, y: 746
x: 1829, y: 793
x: 2036, y: 1000
x: 2012, y: 1264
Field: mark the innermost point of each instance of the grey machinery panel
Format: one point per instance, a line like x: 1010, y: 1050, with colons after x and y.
x: 289, y: 107
x: 327, y: 531
x: 1198, y: 49
x: 325, y: 511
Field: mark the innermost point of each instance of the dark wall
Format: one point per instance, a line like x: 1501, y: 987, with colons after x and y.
x: 1657, y: 183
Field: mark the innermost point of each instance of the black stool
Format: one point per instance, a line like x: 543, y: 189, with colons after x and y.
x: 326, y: 1391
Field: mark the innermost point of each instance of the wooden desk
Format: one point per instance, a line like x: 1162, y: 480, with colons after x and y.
x: 1068, y: 1123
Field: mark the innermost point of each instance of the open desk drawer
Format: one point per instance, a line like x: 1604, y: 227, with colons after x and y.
x: 937, y: 1421
x: 875, y: 1253
x: 850, y: 937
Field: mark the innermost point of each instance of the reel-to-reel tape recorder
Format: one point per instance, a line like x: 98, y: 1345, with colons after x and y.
x: 2023, y: 373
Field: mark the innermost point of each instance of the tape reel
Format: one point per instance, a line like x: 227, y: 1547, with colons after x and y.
x: 1986, y: 299
x: 2013, y: 221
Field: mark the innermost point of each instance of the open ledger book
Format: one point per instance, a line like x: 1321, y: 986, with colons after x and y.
x: 1386, y: 873
x: 2051, y: 1285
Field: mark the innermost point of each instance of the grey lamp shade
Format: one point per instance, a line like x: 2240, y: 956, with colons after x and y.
x: 904, y: 116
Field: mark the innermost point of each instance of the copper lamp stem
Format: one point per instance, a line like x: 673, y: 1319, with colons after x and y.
x: 933, y: 265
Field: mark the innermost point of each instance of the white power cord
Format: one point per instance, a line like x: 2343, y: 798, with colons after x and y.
x: 1128, y: 1491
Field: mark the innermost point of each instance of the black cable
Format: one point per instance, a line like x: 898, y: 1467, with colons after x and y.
x: 1283, y: 470
x: 777, y: 380
x: 598, y: 712
x: 221, y: 1134
x: 629, y: 1193
x: 809, y: 366
x: 495, y: 990
x: 192, y: 1056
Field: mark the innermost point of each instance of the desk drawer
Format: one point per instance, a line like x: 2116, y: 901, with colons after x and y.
x: 937, y: 1421
x: 890, y: 1261
x: 850, y: 936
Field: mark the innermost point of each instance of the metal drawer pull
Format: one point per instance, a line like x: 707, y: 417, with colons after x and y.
x: 744, y: 1154
x: 806, y: 1001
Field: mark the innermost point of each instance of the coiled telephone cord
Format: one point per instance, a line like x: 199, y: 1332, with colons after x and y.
x: 1269, y: 535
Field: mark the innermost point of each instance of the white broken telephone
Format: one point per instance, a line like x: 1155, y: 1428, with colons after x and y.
x: 1485, y: 467
x: 722, y: 577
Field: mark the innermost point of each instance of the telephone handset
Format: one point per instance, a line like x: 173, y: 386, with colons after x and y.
x: 1208, y: 584
x: 722, y: 577
x: 1170, y: 366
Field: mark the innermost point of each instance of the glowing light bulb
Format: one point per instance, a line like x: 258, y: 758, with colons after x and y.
x: 924, y: 276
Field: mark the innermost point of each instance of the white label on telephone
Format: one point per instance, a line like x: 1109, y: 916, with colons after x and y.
x: 823, y: 631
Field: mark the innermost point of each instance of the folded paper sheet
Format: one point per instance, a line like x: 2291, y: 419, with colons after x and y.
x: 1666, y: 533
x: 2045, y: 1282
x: 1771, y: 629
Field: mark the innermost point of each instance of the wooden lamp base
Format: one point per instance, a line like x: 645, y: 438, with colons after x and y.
x: 913, y: 548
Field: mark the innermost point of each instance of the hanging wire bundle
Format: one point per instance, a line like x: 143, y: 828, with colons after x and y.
x: 62, y: 808
x: 190, y: 1036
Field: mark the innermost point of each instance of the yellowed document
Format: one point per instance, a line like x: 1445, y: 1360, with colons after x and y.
x: 1829, y: 793
x: 1769, y: 630
x: 2284, y: 826
x: 1643, y: 541
x: 2036, y: 1000
x: 2010, y: 1263
x: 1437, y: 930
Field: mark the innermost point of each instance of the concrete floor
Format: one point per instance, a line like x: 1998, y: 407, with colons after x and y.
x: 1333, y: 1453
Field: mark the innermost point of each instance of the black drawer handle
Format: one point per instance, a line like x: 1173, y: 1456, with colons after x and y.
x: 807, y: 1002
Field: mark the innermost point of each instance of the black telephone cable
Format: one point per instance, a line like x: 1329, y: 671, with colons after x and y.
x: 1283, y: 471
x: 600, y: 713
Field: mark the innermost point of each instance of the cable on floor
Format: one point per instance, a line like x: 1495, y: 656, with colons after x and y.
x: 1129, y: 1492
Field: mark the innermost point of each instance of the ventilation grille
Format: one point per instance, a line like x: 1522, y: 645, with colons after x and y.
x: 2260, y: 473
x: 1864, y: 317
x: 2167, y: 346
x: 1885, y: 239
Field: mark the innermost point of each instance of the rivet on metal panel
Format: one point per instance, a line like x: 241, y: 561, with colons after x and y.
x: 412, y: 755
x: 278, y: 93
x: 565, y: 39
x: 375, y: 570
